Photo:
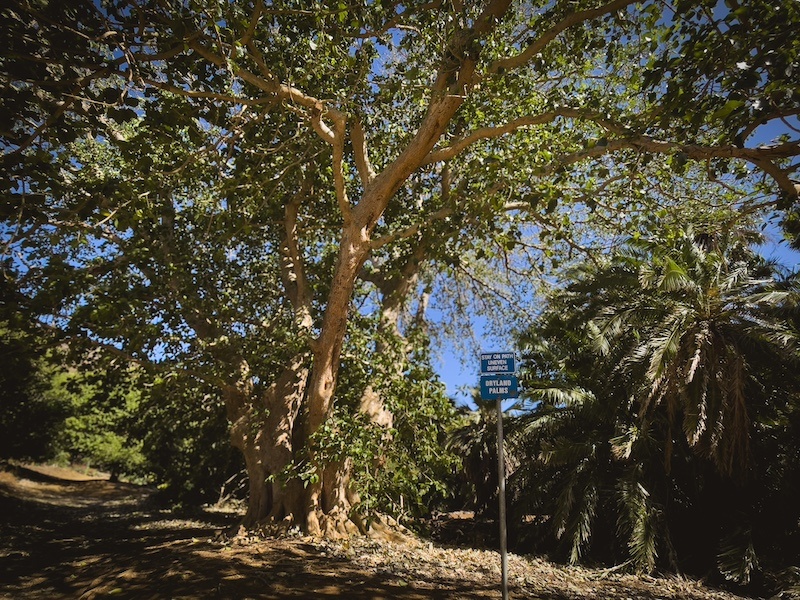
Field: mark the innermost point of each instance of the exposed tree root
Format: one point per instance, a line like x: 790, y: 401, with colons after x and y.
x: 336, y: 525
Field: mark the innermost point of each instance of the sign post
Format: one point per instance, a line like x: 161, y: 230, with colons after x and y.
x: 499, y: 381
x: 501, y: 482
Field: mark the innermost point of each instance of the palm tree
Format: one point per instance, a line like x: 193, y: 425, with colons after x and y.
x: 475, y: 441
x: 703, y: 314
x: 579, y: 428
x: 657, y: 380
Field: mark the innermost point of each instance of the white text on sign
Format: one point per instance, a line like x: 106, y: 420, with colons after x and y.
x: 498, y: 362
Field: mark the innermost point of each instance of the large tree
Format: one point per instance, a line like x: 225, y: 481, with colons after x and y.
x: 234, y: 189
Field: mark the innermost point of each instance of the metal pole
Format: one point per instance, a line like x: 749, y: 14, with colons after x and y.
x: 501, y: 482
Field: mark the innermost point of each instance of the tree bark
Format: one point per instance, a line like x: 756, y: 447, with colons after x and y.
x: 262, y: 427
x: 331, y: 498
x: 353, y: 252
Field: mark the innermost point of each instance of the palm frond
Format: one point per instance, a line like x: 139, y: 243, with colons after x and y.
x: 664, y: 344
x: 576, y: 508
x: 544, y: 420
x: 582, y: 522
x: 622, y: 445
x: 737, y: 559
x: 734, y: 448
x: 638, y: 521
x: 648, y: 277
x: 695, y: 421
x: 701, y: 340
x: 565, y: 502
x: 674, y: 277
x: 564, y: 451
x: 599, y: 340
x: 561, y: 396
x: 608, y: 326
x: 737, y: 278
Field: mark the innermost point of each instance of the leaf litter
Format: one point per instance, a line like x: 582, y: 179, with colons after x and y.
x: 110, y: 541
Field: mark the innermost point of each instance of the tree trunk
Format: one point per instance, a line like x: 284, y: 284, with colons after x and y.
x: 271, y: 431
x: 262, y: 426
x: 328, y: 500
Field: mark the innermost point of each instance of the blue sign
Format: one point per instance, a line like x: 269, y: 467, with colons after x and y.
x: 495, y: 387
x: 498, y: 362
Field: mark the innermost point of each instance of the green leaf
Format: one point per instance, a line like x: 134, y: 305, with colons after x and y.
x: 725, y: 111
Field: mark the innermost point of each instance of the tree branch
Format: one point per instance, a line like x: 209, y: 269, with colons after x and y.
x: 292, y: 267
x: 762, y: 157
x: 455, y: 77
x: 514, y: 62
x: 268, y: 82
x: 207, y: 54
x: 748, y: 131
x: 61, y: 108
x: 130, y: 358
x: 258, y: 9
x: 493, y: 290
x: 412, y: 230
x: 206, y: 95
x: 485, y: 133
x: 361, y: 154
x: 788, y: 187
x: 164, y: 55
x: 339, y: 182
x: 394, y: 22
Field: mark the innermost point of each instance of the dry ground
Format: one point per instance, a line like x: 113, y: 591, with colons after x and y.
x: 67, y: 535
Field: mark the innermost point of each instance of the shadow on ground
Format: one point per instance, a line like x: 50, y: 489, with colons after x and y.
x: 96, y: 539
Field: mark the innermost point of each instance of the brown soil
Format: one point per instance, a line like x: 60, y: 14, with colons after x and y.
x: 67, y: 535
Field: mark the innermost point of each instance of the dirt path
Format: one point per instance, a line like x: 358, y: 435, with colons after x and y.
x: 67, y: 536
